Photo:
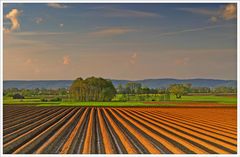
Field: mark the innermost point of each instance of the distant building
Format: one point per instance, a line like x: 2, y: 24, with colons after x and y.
x: 18, y: 96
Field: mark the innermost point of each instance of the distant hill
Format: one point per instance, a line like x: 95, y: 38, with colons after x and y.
x: 48, y: 84
x: 152, y: 83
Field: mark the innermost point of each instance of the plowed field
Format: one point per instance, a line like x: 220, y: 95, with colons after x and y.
x: 111, y: 130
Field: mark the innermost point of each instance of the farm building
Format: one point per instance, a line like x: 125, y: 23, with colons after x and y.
x: 18, y: 96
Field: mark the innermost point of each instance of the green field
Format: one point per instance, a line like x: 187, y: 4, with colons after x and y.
x: 132, y: 101
x: 156, y: 97
x: 113, y: 104
x: 209, y: 98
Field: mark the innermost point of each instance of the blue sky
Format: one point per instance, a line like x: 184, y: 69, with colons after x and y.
x: 120, y: 41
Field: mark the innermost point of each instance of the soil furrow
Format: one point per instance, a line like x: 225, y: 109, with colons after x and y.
x: 199, y: 143
x: 198, y: 130
x: 173, y: 141
x: 198, y: 122
x: 23, y: 117
x: 99, y: 136
x: 188, y: 124
x: 119, y: 148
x: 66, y: 147
x: 125, y: 139
x: 119, y: 130
x: 108, y: 145
x: 27, y: 138
x: 16, y: 142
x: 146, y: 142
x: 24, y: 129
x: 55, y: 139
x: 27, y: 122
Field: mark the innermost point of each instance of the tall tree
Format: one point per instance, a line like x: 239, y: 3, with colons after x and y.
x: 133, y: 87
x: 178, y: 90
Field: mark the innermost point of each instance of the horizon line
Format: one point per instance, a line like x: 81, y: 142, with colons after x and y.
x: 195, y: 78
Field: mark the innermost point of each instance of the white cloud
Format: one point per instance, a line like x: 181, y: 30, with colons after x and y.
x: 13, y: 17
x: 230, y: 12
x: 61, y: 25
x: 57, y: 5
x: 5, y: 30
x: 66, y: 60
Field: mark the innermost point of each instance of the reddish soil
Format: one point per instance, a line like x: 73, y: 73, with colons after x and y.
x: 121, y: 130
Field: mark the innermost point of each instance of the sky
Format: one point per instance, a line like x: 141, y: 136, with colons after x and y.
x: 119, y: 41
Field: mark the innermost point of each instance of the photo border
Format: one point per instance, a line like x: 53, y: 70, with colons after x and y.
x: 117, y: 1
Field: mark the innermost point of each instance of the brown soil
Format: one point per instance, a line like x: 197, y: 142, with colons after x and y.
x: 154, y: 130
x: 106, y: 139
x: 67, y: 145
x: 129, y: 147
x: 143, y: 139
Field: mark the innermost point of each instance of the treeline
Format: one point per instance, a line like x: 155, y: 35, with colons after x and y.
x: 37, y: 92
x: 99, y: 89
x: 137, y: 88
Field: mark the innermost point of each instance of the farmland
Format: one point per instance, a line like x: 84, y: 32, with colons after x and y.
x: 119, y: 130
x: 217, y: 100
x: 119, y: 78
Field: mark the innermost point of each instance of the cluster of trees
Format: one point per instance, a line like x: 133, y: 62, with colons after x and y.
x: 92, y: 89
x: 223, y: 89
x: 136, y: 92
x: 37, y: 92
x: 179, y: 89
x: 220, y: 89
x: 182, y: 89
x: 200, y: 90
x: 132, y: 88
x: 142, y: 97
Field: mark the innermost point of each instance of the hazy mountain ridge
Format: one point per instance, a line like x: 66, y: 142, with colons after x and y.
x: 152, y: 83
